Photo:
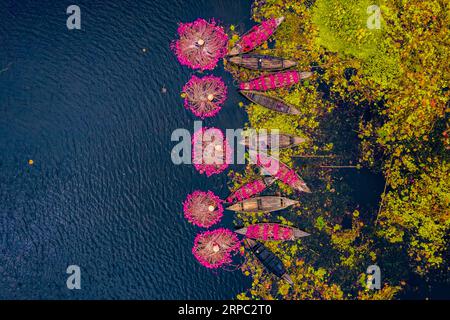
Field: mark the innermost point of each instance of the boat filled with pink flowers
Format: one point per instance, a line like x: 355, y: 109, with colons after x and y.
x: 272, y: 232
x: 256, y: 36
x: 250, y: 189
x: 281, y: 171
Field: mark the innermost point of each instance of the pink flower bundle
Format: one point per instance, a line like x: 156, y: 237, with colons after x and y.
x: 215, y: 248
x: 201, y: 44
x: 205, y: 96
x: 211, y: 153
x: 269, y: 231
x: 275, y: 81
x: 203, y: 209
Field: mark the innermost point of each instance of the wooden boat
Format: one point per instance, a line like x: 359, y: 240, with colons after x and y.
x: 279, y: 170
x: 250, y: 189
x: 256, y: 36
x: 272, y: 232
x: 269, y: 260
x: 266, y: 101
x: 261, y: 62
x: 266, y: 140
x: 263, y: 204
x: 275, y: 80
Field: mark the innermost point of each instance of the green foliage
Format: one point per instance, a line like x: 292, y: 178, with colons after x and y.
x: 343, y: 29
x: 420, y: 217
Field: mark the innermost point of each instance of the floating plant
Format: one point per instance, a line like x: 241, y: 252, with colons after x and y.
x: 269, y: 232
x: 201, y: 44
x: 214, y: 249
x: 205, y: 96
x: 203, y: 209
x: 211, y: 152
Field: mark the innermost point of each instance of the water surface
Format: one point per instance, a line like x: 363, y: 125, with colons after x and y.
x: 103, y: 194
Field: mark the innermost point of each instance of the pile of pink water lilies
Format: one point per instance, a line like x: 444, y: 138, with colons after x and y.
x: 201, y: 45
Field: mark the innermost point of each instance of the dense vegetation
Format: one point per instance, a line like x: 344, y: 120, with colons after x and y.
x: 379, y: 100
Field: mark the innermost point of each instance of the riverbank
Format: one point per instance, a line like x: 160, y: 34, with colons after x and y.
x: 351, y: 115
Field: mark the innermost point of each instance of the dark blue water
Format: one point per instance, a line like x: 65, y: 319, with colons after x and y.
x: 103, y: 194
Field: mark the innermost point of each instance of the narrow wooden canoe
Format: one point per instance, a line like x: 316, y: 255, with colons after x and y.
x: 279, y: 170
x: 267, y: 140
x: 250, y: 189
x: 275, y: 80
x: 272, y: 232
x: 269, y: 260
x: 256, y: 36
x: 266, y: 101
x: 262, y: 62
x: 263, y: 204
